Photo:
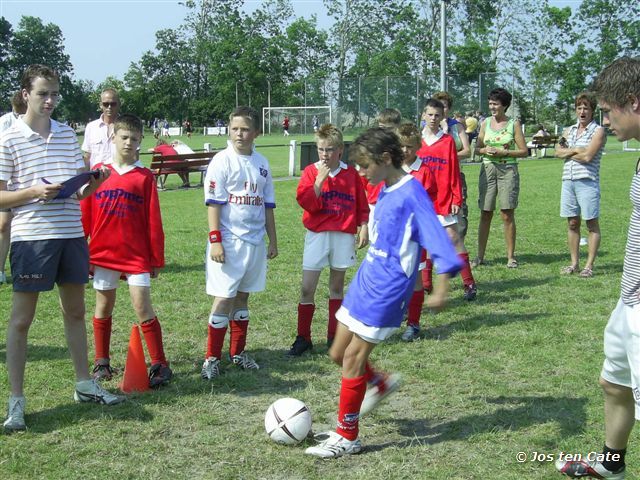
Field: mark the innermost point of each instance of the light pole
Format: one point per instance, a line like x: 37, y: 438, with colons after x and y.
x: 443, y: 46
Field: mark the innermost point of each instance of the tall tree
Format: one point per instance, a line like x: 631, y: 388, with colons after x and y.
x: 7, y: 86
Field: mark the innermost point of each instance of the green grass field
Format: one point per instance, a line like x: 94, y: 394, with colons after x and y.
x: 514, y: 371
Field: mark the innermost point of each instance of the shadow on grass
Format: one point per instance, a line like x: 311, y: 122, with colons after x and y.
x: 186, y: 267
x: 514, y: 413
x: 36, y: 353
x: 69, y: 414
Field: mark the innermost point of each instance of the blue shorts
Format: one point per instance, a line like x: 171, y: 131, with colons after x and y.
x: 37, y: 265
x: 580, y: 198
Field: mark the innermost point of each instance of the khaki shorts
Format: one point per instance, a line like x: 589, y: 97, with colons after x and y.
x: 501, y: 182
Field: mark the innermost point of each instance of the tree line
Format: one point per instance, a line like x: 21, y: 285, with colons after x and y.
x: 221, y: 54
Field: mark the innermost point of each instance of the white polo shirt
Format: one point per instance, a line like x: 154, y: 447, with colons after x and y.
x: 7, y: 121
x: 98, y: 143
x: 25, y: 159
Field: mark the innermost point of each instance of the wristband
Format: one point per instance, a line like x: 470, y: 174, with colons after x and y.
x: 215, y: 236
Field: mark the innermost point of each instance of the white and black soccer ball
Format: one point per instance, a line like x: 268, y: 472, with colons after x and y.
x: 287, y: 421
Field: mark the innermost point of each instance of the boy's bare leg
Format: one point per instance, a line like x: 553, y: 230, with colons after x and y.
x: 73, y: 312
x: 340, y: 343
x: 309, y: 286
x: 22, y: 313
x: 141, y: 301
x: 105, y: 301
x: 619, y: 414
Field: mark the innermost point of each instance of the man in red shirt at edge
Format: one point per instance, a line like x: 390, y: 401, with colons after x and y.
x: 126, y: 207
x: 335, y: 209
x: 438, y: 151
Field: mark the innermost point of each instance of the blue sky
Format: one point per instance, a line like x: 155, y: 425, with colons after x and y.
x: 103, y: 37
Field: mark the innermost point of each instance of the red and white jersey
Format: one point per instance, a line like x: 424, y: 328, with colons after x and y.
x: 421, y: 172
x: 372, y: 191
x: 124, y: 222
x: 442, y: 159
x: 342, y: 204
x: 243, y: 185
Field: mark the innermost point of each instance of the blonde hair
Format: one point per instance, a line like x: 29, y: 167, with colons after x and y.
x: 331, y: 133
x: 409, y: 132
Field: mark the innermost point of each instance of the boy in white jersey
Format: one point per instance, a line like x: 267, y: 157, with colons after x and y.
x: 618, y: 91
x: 240, y: 200
x: 404, y: 222
x: 47, y: 244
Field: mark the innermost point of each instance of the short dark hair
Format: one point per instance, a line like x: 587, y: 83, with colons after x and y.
x: 389, y: 117
x: 34, y: 71
x: 373, y: 143
x: 128, y: 121
x: 18, y: 104
x: 248, y: 113
x: 500, y: 95
x: 619, y: 81
x: 587, y: 98
x: 433, y: 103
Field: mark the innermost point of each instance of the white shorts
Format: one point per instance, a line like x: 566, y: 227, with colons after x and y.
x: 365, y: 332
x: 244, y: 269
x: 622, y: 350
x: 335, y: 249
x: 107, y: 279
x: 448, y: 220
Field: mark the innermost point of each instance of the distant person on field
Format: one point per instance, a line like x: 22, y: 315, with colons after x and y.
x: 220, y: 125
x: 97, y: 146
x: 126, y: 238
x: 165, y: 128
x: 541, y: 133
x: 373, y: 309
x: 188, y: 128
x: 471, y: 129
x: 164, y: 149
x: 617, y: 89
x: 18, y: 107
x: 580, y: 196
x: 500, y: 142
x: 240, y: 199
x: 285, y: 126
x: 335, y: 209
x: 47, y: 244
x: 316, y: 123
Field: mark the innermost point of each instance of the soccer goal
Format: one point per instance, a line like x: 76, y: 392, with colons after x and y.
x: 631, y: 146
x: 301, y: 119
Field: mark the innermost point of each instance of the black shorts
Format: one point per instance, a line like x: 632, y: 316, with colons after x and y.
x: 36, y: 265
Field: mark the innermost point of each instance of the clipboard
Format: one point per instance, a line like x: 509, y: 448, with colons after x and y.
x: 71, y: 186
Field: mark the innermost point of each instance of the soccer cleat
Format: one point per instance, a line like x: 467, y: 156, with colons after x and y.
x: 15, y: 415
x: 91, y: 391
x: 335, y: 445
x: 103, y: 372
x: 379, y: 392
x: 300, y: 345
x: 470, y: 292
x: 210, y: 368
x: 159, y: 375
x: 244, y: 361
x: 411, y: 333
x: 587, y: 469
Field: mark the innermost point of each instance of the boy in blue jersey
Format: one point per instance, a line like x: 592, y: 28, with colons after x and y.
x: 404, y: 222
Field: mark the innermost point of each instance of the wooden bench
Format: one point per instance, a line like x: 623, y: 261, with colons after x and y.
x: 542, y: 143
x: 164, y: 165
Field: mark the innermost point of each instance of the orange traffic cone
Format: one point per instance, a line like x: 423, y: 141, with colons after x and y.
x: 135, y: 377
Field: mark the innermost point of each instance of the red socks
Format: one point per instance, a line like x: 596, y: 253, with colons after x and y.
x: 334, y: 306
x: 427, y: 273
x: 305, y: 317
x: 215, y: 336
x: 415, y: 308
x: 239, y: 324
x: 102, y: 337
x: 465, y: 273
x: 153, y: 337
x: 351, y: 396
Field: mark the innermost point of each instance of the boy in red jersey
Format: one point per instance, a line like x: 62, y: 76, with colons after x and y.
x: 335, y: 209
x: 126, y: 206
x: 438, y: 151
x: 410, y: 141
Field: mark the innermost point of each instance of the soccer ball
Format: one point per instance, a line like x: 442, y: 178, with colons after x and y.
x: 287, y: 421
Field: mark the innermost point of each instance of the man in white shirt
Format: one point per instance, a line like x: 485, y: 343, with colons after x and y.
x: 97, y: 145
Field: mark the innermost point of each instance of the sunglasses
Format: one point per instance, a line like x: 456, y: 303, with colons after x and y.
x: 109, y: 104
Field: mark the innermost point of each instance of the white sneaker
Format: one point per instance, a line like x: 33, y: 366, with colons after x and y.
x: 244, y: 361
x: 15, y: 414
x: 210, y: 368
x: 334, y: 446
x: 378, y: 393
x: 91, y: 391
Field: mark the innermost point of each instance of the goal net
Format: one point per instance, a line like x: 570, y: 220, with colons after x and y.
x: 301, y: 119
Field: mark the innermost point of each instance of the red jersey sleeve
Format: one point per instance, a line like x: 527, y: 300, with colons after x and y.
x: 156, y: 232
x: 362, y: 205
x: 456, y: 188
x: 306, y: 194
